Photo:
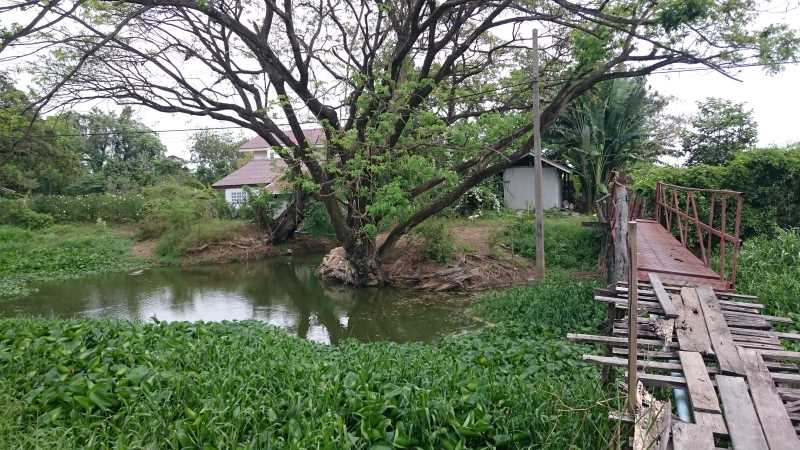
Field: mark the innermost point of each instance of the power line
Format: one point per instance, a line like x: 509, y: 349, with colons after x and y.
x: 474, y: 94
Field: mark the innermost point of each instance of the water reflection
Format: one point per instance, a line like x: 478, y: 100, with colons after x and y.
x: 282, y: 291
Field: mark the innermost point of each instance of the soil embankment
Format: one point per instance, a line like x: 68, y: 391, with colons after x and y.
x: 477, y: 263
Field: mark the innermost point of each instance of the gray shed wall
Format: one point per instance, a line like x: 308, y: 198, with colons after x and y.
x: 518, y: 188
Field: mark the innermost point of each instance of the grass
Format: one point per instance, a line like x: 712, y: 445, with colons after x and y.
x: 57, y: 253
x: 101, y: 384
x: 567, y: 243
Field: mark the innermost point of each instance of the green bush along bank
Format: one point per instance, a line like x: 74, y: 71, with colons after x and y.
x: 101, y: 384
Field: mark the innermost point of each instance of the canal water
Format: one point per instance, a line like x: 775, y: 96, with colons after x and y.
x: 283, y: 292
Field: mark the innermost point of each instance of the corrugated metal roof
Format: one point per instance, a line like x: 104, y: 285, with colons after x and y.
x: 258, y: 172
x: 314, y: 136
x: 527, y: 159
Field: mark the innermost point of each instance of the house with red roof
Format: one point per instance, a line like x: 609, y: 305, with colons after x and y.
x: 264, y: 171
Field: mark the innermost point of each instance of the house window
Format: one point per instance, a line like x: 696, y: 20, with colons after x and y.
x: 238, y: 197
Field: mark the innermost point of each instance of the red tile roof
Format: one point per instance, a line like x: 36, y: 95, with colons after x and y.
x: 257, y: 172
x: 314, y: 136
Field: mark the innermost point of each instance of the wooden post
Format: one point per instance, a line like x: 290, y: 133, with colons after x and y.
x: 537, y: 165
x: 633, y: 324
x: 620, y: 234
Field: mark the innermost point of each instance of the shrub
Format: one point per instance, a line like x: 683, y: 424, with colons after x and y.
x: 317, y: 222
x: 111, y: 208
x: 261, y: 208
x: 175, y: 207
x: 480, y: 198
x: 567, y: 243
x: 437, y: 242
x: 179, y: 241
x: 17, y: 212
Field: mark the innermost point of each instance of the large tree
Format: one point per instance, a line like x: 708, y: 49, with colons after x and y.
x: 36, y: 155
x: 718, y: 130
x: 390, y: 82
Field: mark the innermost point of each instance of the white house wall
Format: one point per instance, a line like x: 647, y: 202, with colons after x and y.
x: 518, y: 188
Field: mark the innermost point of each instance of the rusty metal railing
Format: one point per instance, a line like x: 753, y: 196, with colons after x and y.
x: 677, y: 210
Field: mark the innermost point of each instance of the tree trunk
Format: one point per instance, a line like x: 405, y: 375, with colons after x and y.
x: 285, y: 225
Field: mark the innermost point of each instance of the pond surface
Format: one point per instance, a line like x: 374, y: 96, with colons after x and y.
x: 283, y: 291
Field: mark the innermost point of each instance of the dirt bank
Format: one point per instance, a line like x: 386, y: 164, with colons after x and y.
x: 245, y: 246
x: 477, y: 263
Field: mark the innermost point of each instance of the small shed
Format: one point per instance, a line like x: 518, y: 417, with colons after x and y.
x: 518, y: 184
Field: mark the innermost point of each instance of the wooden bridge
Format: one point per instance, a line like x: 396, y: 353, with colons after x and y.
x: 693, y: 332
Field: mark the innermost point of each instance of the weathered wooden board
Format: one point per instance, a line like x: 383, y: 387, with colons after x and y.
x: 691, y: 436
x: 663, y: 298
x: 713, y: 421
x: 744, y: 427
x: 780, y: 355
x: 614, y: 340
x: 644, y: 364
x: 719, y: 334
x: 775, y: 421
x: 701, y: 391
x: 691, y: 326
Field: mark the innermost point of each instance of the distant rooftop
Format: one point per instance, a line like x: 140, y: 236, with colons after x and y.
x: 314, y: 136
x: 257, y: 172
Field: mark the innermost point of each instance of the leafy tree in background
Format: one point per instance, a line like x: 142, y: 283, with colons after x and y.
x: 36, y: 155
x: 214, y: 154
x: 119, y: 152
x: 719, y: 130
x: 607, y: 129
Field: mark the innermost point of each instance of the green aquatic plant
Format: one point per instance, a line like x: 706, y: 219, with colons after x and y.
x: 101, y: 384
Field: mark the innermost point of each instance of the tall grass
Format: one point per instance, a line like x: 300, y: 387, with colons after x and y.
x: 769, y: 266
x: 567, y: 243
x: 97, y: 384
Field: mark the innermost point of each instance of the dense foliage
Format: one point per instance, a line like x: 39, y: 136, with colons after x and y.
x: 769, y: 179
x: 96, y: 384
x: 58, y: 252
x: 718, y: 131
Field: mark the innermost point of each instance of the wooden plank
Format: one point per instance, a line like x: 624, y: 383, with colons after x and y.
x: 663, y: 298
x: 713, y: 421
x: 644, y: 364
x: 701, y: 391
x: 740, y: 414
x: 691, y: 436
x: 744, y: 315
x: 775, y: 421
x: 691, y: 326
x: 780, y: 355
x: 718, y: 332
x: 612, y: 340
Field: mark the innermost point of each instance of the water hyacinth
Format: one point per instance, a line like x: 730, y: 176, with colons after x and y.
x: 100, y: 384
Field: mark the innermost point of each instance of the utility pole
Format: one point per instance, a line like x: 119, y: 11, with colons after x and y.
x: 537, y: 164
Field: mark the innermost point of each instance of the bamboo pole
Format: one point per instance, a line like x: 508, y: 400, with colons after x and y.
x: 537, y: 152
